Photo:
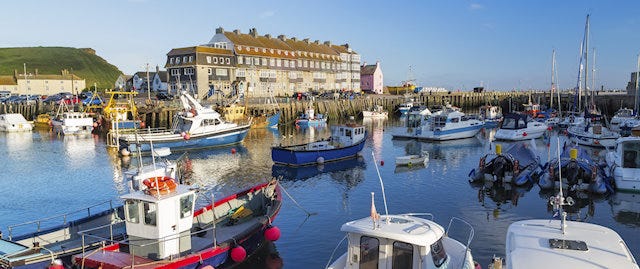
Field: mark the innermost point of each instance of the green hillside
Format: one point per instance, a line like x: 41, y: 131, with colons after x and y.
x: 51, y: 60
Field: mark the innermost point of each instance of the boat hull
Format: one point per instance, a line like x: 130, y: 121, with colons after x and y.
x: 518, y: 135
x: 176, y: 141
x: 627, y: 179
x: 291, y: 157
x: 305, y: 122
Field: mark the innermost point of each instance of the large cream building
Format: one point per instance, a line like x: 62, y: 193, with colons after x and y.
x: 263, y: 65
x: 47, y: 84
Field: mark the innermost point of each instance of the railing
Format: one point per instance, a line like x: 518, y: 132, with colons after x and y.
x: 469, y: 238
x: 64, y: 217
x: 419, y: 215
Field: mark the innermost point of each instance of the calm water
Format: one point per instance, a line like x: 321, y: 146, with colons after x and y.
x: 45, y: 174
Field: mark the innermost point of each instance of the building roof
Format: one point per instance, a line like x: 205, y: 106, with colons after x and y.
x: 205, y: 49
x: 368, y: 69
x: 52, y: 77
x: 8, y: 80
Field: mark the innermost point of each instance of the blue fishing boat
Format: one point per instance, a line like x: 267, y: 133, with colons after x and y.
x: 309, y: 118
x: 194, y: 127
x: 346, y: 141
x: 517, y: 165
x: 579, y: 172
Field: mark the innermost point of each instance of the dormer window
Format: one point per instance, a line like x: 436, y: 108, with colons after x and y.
x: 239, y: 48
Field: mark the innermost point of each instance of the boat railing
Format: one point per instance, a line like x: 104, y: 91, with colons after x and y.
x: 420, y: 215
x: 471, y: 233
x: 65, y: 218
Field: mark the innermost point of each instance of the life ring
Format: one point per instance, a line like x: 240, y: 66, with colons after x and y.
x: 159, y: 185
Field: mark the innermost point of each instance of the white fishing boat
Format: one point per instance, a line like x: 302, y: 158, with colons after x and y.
x: 412, y: 159
x: 448, y: 124
x: 14, y: 122
x: 72, y: 123
x: 491, y: 115
x: 594, y: 135
x: 516, y: 127
x: 404, y: 107
x: 624, y: 163
x: 377, y: 112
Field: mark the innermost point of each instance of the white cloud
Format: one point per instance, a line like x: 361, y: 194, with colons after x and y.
x: 267, y: 14
x: 475, y: 6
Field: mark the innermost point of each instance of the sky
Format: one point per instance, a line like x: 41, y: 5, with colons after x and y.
x: 501, y: 45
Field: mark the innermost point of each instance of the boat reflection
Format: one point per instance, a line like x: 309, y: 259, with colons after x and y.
x: 625, y: 207
x: 343, y: 171
x: 17, y: 141
x: 582, y: 201
x: 502, y: 196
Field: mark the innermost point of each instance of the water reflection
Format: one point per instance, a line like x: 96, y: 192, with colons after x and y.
x: 626, y: 208
x: 343, y: 170
x: 503, y: 196
x: 16, y: 142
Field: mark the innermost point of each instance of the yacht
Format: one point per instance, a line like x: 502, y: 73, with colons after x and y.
x: 624, y: 163
x: 516, y: 127
x: 448, y: 124
x: 14, y: 122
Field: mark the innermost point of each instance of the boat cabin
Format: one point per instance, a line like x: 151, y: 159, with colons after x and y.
x: 347, y: 135
x: 440, y: 121
x: 402, y: 242
x: 629, y: 151
x: 514, y: 121
x: 159, y: 218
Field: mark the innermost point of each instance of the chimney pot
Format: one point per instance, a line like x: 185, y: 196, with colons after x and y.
x: 317, y: 42
x: 219, y: 30
x: 253, y: 32
x: 306, y: 40
x: 294, y: 38
x: 282, y: 37
x: 328, y: 43
x: 236, y: 31
x: 267, y: 36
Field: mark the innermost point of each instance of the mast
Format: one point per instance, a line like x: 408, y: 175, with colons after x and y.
x: 635, y: 108
x: 593, y: 80
x: 553, y: 69
x: 586, y: 55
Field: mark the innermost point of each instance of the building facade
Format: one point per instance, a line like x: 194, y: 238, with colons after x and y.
x: 42, y: 84
x: 371, y: 78
x: 233, y: 62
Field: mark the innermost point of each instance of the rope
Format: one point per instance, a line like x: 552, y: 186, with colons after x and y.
x: 334, y: 251
x: 296, y: 203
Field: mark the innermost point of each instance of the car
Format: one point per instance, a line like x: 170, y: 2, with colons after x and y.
x: 88, y: 101
x: 163, y: 96
x: 53, y: 98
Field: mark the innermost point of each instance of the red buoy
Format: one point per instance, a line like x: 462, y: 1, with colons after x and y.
x: 238, y: 254
x: 187, y: 136
x: 233, y: 150
x: 549, y: 128
x: 272, y: 233
x: 142, y: 124
x: 382, y: 163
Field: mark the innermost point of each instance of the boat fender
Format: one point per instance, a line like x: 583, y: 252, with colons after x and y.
x: 320, y: 160
x: 594, y: 173
x: 238, y: 254
x: 481, y: 163
x: 516, y: 167
x: 125, y: 152
x: 187, y: 136
x: 272, y: 233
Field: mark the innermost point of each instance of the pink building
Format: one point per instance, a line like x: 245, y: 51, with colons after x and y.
x: 371, y: 79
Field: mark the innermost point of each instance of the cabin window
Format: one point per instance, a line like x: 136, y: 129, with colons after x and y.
x: 150, y: 213
x: 522, y: 124
x: 455, y: 120
x: 438, y: 254
x: 131, y: 209
x: 186, y: 203
x: 508, y: 123
x: 630, y: 159
x: 369, y: 250
x: 402, y: 255
x: 348, y: 133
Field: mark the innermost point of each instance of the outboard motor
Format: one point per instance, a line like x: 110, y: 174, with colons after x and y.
x: 500, y: 166
x: 572, y: 172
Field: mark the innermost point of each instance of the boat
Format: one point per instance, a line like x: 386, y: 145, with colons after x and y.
x: 491, y: 115
x: 447, y: 124
x: 294, y: 173
x: 405, y: 107
x: 69, y: 122
x: 410, y: 160
x: 346, y: 141
x: 194, y: 127
x: 42, y: 121
x: 411, y: 240
x: 266, y: 120
x: 165, y: 230
x: 518, y: 165
x: 620, y: 117
x: 416, y: 115
x: 624, y: 164
x: 516, y: 127
x: 309, y: 118
x: 593, y: 135
x: 572, y: 119
x: 376, y: 112
x: 14, y: 122
x: 579, y: 172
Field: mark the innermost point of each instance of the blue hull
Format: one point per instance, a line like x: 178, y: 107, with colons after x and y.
x: 205, y: 141
x: 310, y: 122
x: 283, y: 155
x: 272, y: 121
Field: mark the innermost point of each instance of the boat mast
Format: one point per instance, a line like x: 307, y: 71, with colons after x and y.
x: 593, y: 81
x: 586, y: 54
x: 553, y: 69
x: 635, y: 108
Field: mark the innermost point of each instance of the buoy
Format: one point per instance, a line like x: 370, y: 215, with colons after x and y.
x: 272, y: 233
x: 95, y: 125
x: 233, y: 150
x: 381, y: 163
x: 320, y: 160
x: 142, y: 124
x: 125, y: 152
x: 238, y: 254
x: 498, y: 149
x: 409, y: 164
x: 573, y: 154
x: 549, y: 128
x: 187, y: 136
x: 183, y: 134
x: 524, y: 133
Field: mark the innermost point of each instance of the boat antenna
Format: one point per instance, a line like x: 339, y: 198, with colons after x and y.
x: 558, y: 201
x: 384, y: 197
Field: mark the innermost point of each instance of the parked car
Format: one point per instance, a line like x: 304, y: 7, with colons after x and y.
x: 55, y: 98
x: 88, y: 101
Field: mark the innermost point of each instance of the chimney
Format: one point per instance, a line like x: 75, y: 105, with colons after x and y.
x: 294, y: 38
x: 253, y: 32
x: 219, y: 30
x: 236, y: 31
x: 157, y: 69
x: 306, y: 40
x: 346, y: 45
x: 268, y: 36
x: 282, y: 37
x: 328, y: 43
x: 317, y: 42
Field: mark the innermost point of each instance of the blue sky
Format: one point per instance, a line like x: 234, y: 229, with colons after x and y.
x: 454, y: 44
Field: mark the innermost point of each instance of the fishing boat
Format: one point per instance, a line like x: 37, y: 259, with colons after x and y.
x: 447, y: 124
x: 194, y: 127
x: 579, y: 172
x: 346, y: 141
x: 593, y: 135
x: 266, y: 120
x: 165, y: 230
x: 14, y: 122
x: 624, y: 164
x: 410, y: 160
x: 516, y: 127
x: 309, y: 118
x: 376, y: 112
x: 405, y: 107
x: 518, y: 165
x: 42, y: 121
x: 491, y: 115
x: 411, y: 240
x: 69, y: 122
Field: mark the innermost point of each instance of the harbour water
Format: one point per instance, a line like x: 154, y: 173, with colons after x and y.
x: 45, y: 174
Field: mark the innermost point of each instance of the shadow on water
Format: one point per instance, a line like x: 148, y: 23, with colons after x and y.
x: 337, y: 169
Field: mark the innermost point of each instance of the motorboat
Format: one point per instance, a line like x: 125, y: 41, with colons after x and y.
x: 310, y: 118
x: 621, y: 116
x: 346, y: 141
x: 572, y: 119
x: 516, y: 127
x: 593, y: 135
x: 14, y: 122
x: 42, y: 121
x: 411, y: 240
x: 376, y: 112
x: 491, y: 115
x: 448, y: 124
x: 409, y: 160
x: 194, y: 127
x: 518, y: 165
x: 404, y: 107
x: 72, y: 123
x: 624, y: 164
x: 578, y: 171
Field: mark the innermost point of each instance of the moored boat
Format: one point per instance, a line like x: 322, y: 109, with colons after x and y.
x: 578, y: 171
x: 516, y: 127
x: 410, y: 160
x: 593, y: 135
x: 491, y: 115
x: 517, y: 165
x: 376, y: 112
x: 448, y: 124
x: 310, y: 118
x: 346, y: 141
x: 72, y: 123
x: 42, y: 121
x: 624, y: 164
x: 14, y: 122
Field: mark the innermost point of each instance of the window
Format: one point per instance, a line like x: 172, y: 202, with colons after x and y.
x: 227, y: 60
x: 208, y: 59
x: 175, y: 72
x: 240, y: 73
x: 188, y: 71
x: 171, y: 60
x: 272, y: 62
x: 177, y: 60
x: 239, y: 59
x: 279, y: 62
x: 150, y: 213
x: 215, y: 60
x: 184, y: 59
x: 369, y: 250
x: 221, y: 72
x: 286, y: 63
x: 186, y: 206
x: 221, y: 60
x: 402, y: 256
x: 264, y: 61
x: 209, y: 71
x: 131, y: 209
x: 438, y: 254
x: 190, y: 58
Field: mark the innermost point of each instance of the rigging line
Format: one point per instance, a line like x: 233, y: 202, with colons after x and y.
x: 384, y: 197
x: 296, y: 202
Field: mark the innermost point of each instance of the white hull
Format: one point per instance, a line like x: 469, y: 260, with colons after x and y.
x: 375, y: 114
x: 627, y: 179
x: 411, y: 159
x: 14, y: 122
x: 439, y: 136
x: 605, y: 138
x: 518, y: 135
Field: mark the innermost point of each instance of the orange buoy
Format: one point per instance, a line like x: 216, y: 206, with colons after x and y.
x: 159, y: 185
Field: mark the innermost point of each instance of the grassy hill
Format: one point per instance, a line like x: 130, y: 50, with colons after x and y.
x: 51, y: 60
